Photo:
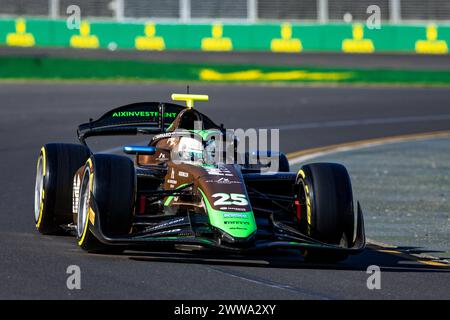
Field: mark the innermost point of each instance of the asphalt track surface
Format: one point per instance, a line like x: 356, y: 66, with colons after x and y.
x: 34, y: 266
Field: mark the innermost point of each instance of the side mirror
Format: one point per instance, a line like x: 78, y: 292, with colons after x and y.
x: 139, y: 149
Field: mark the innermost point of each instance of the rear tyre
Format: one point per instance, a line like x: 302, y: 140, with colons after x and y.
x: 107, y: 198
x: 56, y: 166
x: 325, y: 190
x: 283, y: 163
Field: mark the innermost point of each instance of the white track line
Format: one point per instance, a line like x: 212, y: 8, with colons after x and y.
x: 364, y: 144
x: 360, y: 122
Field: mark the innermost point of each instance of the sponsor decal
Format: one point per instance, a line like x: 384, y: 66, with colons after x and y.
x: 165, y: 224
x: 235, y: 215
x: 162, y: 135
x: 224, y: 181
x: 227, y: 181
x: 221, y: 171
x: 76, y: 193
x: 162, y: 157
x: 237, y: 228
x: 163, y: 232
x: 183, y: 174
x: 237, y: 222
x: 232, y: 209
x: 172, y: 180
x: 225, y: 199
x: 143, y: 114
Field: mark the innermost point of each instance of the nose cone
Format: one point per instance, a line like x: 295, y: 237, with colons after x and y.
x: 226, y: 203
x: 234, y: 226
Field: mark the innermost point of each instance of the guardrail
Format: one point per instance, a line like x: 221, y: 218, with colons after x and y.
x: 285, y: 37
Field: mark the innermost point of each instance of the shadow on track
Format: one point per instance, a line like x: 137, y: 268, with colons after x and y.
x: 290, y: 259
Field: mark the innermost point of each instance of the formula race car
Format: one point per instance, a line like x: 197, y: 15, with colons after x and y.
x: 191, y: 187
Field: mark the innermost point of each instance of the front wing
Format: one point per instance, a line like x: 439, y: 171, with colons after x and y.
x: 176, y: 231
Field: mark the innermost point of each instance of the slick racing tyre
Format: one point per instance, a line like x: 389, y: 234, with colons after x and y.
x: 56, y: 166
x: 326, y: 191
x: 283, y: 163
x: 106, y: 205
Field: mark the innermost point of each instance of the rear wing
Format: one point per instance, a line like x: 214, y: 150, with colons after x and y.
x: 141, y: 117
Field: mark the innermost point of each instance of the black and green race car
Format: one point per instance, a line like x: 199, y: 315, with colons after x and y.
x: 174, y: 192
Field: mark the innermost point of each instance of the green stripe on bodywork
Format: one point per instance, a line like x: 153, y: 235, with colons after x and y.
x: 170, y: 198
x: 205, y: 134
x: 217, y: 219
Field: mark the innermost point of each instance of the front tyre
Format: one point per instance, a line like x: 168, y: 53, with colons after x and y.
x: 56, y: 166
x: 106, y: 202
x: 85, y: 238
x: 326, y: 192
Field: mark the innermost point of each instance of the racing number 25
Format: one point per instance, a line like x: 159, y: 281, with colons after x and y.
x: 225, y: 199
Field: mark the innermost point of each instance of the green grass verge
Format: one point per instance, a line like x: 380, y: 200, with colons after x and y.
x: 48, y: 68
